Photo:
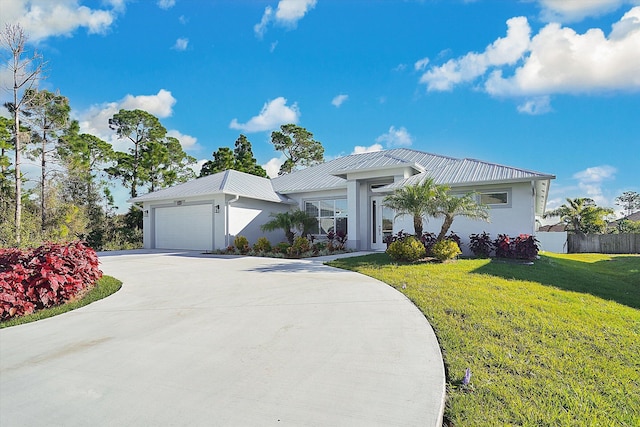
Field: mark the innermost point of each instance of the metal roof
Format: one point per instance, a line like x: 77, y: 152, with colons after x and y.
x: 443, y: 169
x: 332, y: 175
x: 469, y: 171
x: 227, y: 182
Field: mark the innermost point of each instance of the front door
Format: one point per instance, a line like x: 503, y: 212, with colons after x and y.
x: 381, y: 223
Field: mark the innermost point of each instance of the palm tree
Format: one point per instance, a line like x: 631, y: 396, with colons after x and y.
x: 581, y: 215
x: 289, y: 221
x: 449, y: 206
x: 415, y: 200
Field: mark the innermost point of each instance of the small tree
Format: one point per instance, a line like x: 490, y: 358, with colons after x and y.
x: 415, y: 200
x: 449, y: 206
x: 290, y: 222
x: 582, y: 215
x: 26, y: 74
x: 298, y: 146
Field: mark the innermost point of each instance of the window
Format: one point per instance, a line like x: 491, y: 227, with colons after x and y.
x: 495, y: 198
x: 330, y: 215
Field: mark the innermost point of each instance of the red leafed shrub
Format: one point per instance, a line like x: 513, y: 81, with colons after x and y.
x: 45, y: 276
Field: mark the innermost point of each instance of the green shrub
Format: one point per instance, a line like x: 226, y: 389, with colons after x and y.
x: 282, y: 248
x: 262, y: 245
x: 409, y: 249
x: 300, y: 246
x: 445, y: 249
x: 241, y: 243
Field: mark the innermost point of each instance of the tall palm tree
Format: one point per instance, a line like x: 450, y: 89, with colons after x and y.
x: 290, y: 222
x: 449, y: 206
x: 415, y: 200
x: 581, y: 215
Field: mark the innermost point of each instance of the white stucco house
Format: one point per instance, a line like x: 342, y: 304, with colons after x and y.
x: 343, y: 194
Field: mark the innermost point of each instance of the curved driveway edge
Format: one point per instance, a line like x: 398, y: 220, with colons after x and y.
x: 226, y: 341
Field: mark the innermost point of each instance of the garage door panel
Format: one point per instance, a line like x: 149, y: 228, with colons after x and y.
x: 184, y: 227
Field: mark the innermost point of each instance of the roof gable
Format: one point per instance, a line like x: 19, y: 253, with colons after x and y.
x: 228, y: 182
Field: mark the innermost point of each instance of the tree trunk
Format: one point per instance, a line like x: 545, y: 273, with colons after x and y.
x: 445, y: 227
x: 43, y: 163
x: 16, y: 123
x: 417, y: 225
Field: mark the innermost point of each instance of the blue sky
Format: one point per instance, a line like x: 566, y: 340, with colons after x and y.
x: 545, y: 85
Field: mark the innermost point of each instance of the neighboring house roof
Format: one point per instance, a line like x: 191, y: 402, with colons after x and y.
x: 228, y: 182
x: 633, y: 217
x: 553, y: 228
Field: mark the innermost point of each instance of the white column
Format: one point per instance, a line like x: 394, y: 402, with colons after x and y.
x: 353, y: 215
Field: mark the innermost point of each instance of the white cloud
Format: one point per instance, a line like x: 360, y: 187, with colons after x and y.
x: 557, y: 60
x: 273, y: 114
x: 45, y: 18
x: 261, y: 27
x: 563, y: 61
x: 188, y: 142
x: 421, y: 64
x: 503, y: 51
x: 181, y: 44
x: 287, y: 14
x: 338, y: 100
x: 359, y: 149
x: 568, y: 10
x: 160, y: 104
x: 400, y: 67
x: 535, y: 106
x: 590, y: 182
x: 272, y: 167
x: 95, y: 120
x: 166, y: 4
x: 396, y: 138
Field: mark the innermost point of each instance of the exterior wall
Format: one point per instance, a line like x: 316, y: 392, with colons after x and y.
x: 247, y: 215
x: 230, y: 218
x: 552, y: 241
x: 518, y: 217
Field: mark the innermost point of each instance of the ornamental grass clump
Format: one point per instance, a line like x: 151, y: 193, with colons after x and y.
x: 408, y: 249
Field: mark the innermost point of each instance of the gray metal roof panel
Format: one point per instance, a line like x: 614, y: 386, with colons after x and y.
x: 227, y: 182
x: 470, y: 171
x: 323, y: 176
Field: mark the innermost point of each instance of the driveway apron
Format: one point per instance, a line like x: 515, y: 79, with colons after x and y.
x: 208, y: 340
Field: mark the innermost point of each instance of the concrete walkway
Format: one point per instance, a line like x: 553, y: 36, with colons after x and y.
x: 204, y: 340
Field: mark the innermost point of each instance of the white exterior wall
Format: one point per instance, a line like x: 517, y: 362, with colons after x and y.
x: 247, y: 215
x: 555, y: 241
x: 516, y: 218
x: 244, y: 216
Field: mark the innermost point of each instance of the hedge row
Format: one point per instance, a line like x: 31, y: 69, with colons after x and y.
x: 46, y: 276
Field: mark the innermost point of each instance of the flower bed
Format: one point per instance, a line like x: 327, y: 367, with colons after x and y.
x: 46, y: 276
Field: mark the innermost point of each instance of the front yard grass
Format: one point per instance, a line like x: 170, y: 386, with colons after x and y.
x: 103, y: 287
x: 554, y: 343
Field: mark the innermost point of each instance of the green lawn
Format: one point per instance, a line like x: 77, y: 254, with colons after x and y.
x: 554, y: 343
x: 104, y: 287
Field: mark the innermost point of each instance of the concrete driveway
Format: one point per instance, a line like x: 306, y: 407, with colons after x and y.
x: 201, y: 340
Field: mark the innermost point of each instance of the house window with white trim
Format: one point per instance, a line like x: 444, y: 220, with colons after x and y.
x: 496, y: 198
x: 330, y: 215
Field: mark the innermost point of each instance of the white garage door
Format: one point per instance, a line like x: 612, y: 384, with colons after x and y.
x: 184, y: 227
